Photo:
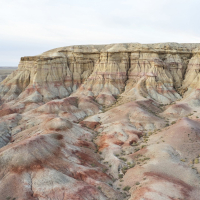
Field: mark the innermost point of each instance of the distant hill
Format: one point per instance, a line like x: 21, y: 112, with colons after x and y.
x: 5, y: 71
x: 8, y: 67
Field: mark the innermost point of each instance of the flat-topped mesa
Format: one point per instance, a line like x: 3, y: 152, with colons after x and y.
x: 105, y: 71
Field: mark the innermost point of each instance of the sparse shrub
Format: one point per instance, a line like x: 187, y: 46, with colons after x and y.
x: 134, y: 144
x: 174, y: 122
x: 124, y: 169
x: 124, y: 159
x: 196, y: 161
x: 139, y: 155
x: 146, y: 158
x: 150, y: 133
x: 137, y: 149
x: 131, y: 166
x: 137, y: 183
x: 127, y: 188
x: 121, y: 175
x: 104, y: 170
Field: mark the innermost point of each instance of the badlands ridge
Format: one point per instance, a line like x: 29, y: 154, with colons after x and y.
x: 117, y: 121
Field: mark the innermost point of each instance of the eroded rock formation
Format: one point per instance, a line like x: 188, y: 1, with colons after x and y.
x: 116, y: 121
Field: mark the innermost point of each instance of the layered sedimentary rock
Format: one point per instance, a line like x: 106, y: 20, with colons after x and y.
x: 104, y: 72
x: 117, y: 121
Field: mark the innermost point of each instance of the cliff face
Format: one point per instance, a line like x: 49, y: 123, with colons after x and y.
x: 157, y: 71
x: 102, y: 122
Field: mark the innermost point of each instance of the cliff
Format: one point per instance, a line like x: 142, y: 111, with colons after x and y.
x: 156, y: 71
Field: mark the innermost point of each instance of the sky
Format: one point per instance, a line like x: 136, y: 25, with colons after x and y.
x: 28, y: 28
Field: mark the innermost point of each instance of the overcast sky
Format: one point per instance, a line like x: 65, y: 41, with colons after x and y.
x: 30, y: 27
